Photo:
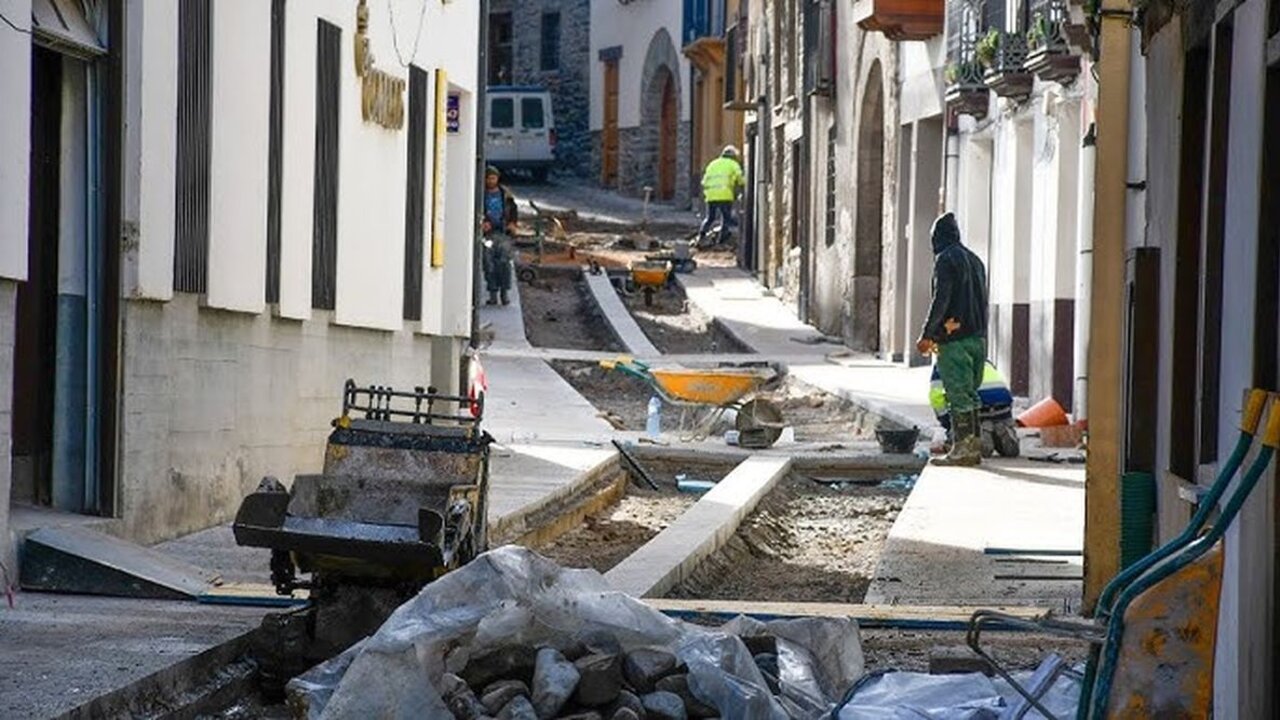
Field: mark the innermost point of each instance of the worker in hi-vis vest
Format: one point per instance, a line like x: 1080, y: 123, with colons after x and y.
x: 721, y: 182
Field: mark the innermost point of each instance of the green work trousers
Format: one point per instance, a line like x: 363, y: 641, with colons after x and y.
x: 960, y: 364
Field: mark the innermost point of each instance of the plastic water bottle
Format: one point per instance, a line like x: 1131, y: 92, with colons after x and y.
x: 653, y: 423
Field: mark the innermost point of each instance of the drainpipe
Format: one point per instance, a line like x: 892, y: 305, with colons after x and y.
x: 1106, y: 311
x: 482, y: 106
x: 951, y: 169
x: 1084, y: 271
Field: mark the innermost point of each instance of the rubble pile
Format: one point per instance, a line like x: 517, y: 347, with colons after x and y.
x: 512, y: 636
x: 594, y: 681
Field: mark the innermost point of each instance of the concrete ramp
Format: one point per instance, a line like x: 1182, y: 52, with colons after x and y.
x: 87, y: 562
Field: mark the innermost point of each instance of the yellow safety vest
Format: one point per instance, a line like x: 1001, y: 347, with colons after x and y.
x: 721, y: 180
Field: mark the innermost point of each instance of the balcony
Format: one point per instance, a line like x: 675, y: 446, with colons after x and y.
x: 1053, y: 41
x: 901, y: 19
x: 1004, y: 54
x: 967, y: 92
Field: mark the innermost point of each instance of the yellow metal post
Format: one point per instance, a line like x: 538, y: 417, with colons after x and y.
x: 1106, y: 337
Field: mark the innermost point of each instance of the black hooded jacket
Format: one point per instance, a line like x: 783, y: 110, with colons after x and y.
x: 959, y: 286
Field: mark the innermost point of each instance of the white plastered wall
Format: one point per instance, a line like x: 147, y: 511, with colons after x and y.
x: 1243, y: 668
x: 632, y: 27
x: 151, y: 148
x: 372, y: 166
x: 239, y: 143
x: 15, y: 138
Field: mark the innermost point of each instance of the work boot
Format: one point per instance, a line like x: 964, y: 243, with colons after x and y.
x: 493, y: 298
x: 506, y: 299
x: 966, y: 449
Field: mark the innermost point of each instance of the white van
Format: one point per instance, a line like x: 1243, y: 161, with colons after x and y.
x: 521, y: 132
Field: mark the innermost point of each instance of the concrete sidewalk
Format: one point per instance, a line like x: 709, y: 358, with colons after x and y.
x: 1008, y: 533
x: 767, y: 326
x: 528, y: 401
x: 939, y: 551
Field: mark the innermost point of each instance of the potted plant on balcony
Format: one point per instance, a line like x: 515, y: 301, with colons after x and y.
x: 1049, y: 54
x: 966, y: 91
x: 1003, y: 54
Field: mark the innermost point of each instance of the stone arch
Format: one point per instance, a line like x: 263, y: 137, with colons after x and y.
x: 658, y: 153
x: 869, y: 228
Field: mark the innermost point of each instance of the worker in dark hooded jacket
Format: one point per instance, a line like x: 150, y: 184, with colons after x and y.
x: 957, y: 331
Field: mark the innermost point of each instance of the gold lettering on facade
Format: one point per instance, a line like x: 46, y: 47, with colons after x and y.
x: 381, y: 94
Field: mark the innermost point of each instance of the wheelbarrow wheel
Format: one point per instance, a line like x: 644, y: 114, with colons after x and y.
x: 648, y: 297
x: 759, y: 418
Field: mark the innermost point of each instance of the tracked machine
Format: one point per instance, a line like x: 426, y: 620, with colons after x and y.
x: 402, y: 500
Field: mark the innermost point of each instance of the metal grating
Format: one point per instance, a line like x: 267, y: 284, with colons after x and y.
x: 191, y: 202
x: 415, y: 211
x: 324, y: 241
x: 275, y: 151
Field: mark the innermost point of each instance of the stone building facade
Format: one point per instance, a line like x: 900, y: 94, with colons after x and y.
x: 822, y: 161
x: 547, y: 43
x: 641, y: 123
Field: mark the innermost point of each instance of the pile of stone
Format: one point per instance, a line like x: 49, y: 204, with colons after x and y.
x: 595, y: 680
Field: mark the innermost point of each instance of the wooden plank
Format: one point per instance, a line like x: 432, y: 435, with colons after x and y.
x: 920, y: 617
x: 251, y: 594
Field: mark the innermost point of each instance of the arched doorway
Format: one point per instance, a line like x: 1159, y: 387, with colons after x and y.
x: 667, y: 129
x: 868, y: 238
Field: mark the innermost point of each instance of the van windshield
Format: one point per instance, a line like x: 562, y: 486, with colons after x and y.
x: 531, y: 115
x: 502, y: 113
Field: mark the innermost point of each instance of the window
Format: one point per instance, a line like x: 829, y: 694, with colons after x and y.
x: 275, y: 154
x: 531, y: 114
x: 500, y: 57
x: 324, y: 240
x: 415, y: 194
x: 502, y: 114
x: 191, y: 231
x: 551, y: 41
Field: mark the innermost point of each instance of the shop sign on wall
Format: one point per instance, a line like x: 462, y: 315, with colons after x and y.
x: 381, y: 94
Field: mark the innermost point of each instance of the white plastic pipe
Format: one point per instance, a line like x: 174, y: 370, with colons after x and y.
x: 1084, y: 273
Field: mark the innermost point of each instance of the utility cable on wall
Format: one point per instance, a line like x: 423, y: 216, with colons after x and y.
x: 395, y: 34
x: 9, y: 22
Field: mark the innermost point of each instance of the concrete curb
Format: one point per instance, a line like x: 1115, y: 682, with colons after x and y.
x: 703, y: 529
x: 527, y: 519
x: 199, y: 684
x: 856, y: 462
x: 620, y: 320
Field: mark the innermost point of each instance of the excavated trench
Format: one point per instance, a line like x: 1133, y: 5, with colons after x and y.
x: 807, y: 541
x: 606, y: 538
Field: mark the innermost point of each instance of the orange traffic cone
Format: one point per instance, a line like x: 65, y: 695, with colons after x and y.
x: 1046, y: 413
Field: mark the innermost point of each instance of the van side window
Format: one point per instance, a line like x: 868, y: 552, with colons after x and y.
x: 531, y: 115
x: 502, y: 113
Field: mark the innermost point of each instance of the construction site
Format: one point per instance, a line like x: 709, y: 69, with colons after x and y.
x: 709, y: 460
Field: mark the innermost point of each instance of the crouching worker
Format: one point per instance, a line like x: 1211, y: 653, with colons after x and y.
x: 998, y: 432
x: 498, y: 224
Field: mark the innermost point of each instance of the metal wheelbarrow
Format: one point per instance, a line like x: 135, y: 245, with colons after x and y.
x: 1154, y: 631
x: 713, y: 390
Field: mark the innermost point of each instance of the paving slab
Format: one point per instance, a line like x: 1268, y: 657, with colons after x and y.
x: 704, y: 528
x: 618, y: 317
x: 527, y: 478
x: 62, y: 651
x: 937, y: 550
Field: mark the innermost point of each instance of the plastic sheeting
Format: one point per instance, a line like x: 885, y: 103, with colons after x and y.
x: 917, y: 696
x: 512, y: 596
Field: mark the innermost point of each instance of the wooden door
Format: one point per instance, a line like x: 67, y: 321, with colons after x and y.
x: 667, y: 141
x: 609, y: 141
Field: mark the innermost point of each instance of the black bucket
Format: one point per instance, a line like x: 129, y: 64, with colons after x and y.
x: 898, y: 442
